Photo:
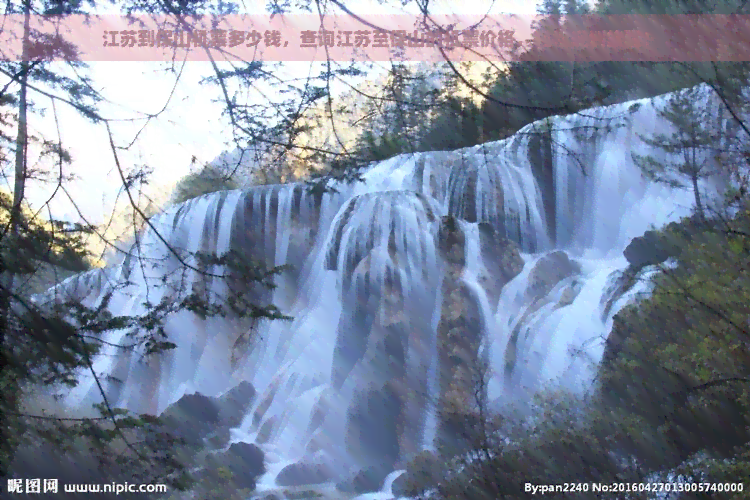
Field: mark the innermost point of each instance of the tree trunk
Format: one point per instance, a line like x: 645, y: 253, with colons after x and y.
x: 9, y: 377
x: 698, y: 203
x: 695, y: 173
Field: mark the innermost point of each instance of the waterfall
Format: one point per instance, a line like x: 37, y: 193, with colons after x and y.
x: 502, y: 250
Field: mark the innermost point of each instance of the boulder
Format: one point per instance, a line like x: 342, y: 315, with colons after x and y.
x: 235, y: 403
x: 371, y: 433
x: 400, y: 486
x: 647, y: 250
x: 548, y: 272
x: 219, y: 438
x: 245, y: 461
x: 302, y: 473
x: 367, y: 480
x: 192, y: 417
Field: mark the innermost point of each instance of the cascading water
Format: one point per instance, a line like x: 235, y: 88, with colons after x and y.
x: 395, y: 283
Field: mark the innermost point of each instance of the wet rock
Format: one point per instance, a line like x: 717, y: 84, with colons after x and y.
x: 621, y: 283
x: 265, y: 404
x: 196, y: 417
x: 647, y: 250
x: 267, y: 429
x: 502, y: 252
x: 320, y: 410
x: 459, y: 336
x: 197, y: 405
x: 548, y: 272
x: 451, y: 241
x: 366, y: 480
x: 302, y: 473
x: 502, y: 261
x: 540, y: 157
x: 655, y: 247
x: 302, y: 495
x: 622, y: 329
x: 400, y: 487
x: 245, y: 461
x: 235, y: 403
x: 316, y: 444
x: 192, y: 417
x: 371, y: 430
x: 569, y: 294
x: 462, y: 199
x: 219, y: 438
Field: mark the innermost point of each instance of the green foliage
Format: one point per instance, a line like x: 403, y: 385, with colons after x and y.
x: 423, y: 472
x: 383, y: 147
x: 559, y: 444
x: 118, y: 444
x: 689, y: 340
x: 669, y: 7
x: 693, y: 140
x: 53, y: 342
x: 457, y: 124
x: 204, y: 181
x: 545, y: 87
x: 57, y: 243
x: 453, y: 123
x: 672, y: 394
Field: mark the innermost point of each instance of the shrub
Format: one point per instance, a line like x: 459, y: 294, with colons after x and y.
x: 204, y: 181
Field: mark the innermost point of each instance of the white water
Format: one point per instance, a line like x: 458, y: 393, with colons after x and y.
x: 365, y: 293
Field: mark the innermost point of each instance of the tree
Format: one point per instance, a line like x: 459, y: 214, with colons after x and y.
x: 692, y: 142
x: 689, y: 339
x: 48, y: 343
x: 206, y: 180
x: 576, y: 8
x: 669, y: 7
x: 56, y: 338
x: 542, y: 84
x: 457, y: 124
x: 30, y: 69
x: 399, y: 114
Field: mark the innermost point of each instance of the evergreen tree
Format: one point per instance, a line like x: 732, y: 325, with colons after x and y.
x: 46, y: 344
x: 32, y: 69
x: 576, y: 7
x: 206, y: 180
x: 694, y: 139
x: 457, y: 125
